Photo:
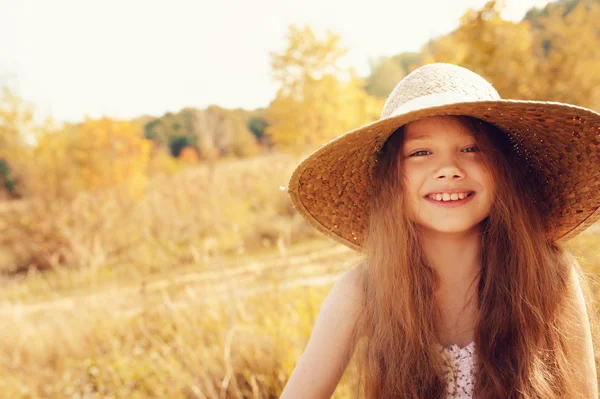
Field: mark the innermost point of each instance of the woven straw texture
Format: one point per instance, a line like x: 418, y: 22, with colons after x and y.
x: 559, y: 142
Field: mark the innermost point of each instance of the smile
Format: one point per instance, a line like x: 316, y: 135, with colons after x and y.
x: 450, y: 203
x: 449, y: 196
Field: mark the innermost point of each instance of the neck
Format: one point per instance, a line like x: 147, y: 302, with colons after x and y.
x: 455, y: 257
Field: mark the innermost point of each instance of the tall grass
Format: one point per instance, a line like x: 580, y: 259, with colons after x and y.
x: 181, y: 220
x: 238, y: 346
x: 208, y: 286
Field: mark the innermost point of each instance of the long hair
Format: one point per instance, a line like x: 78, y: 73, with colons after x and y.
x: 522, y: 302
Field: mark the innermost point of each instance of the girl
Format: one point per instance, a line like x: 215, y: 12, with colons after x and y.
x: 458, y: 201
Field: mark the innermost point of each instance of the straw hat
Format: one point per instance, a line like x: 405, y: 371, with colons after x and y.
x: 561, y: 143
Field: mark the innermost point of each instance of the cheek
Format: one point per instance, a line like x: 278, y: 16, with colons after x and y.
x: 412, y: 178
x: 490, y: 184
x: 485, y: 179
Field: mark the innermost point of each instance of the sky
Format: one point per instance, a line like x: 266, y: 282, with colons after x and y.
x: 127, y: 58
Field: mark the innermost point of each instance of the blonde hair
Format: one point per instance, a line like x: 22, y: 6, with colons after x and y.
x: 521, y: 293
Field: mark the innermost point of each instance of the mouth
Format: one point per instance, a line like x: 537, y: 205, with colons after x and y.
x: 450, y: 201
x: 450, y: 196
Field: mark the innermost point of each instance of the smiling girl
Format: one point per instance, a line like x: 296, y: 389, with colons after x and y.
x: 459, y: 202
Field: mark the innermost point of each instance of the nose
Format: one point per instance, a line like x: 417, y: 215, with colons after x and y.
x: 450, y: 170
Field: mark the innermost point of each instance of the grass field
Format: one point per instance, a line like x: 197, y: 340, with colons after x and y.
x: 232, y: 329
x: 200, y: 290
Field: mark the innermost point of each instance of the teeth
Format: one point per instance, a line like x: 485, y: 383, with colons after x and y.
x: 448, y: 196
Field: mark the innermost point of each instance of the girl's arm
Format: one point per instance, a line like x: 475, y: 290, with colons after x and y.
x: 325, y: 358
x: 581, y: 346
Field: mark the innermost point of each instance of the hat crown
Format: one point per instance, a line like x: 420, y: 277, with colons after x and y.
x: 454, y: 83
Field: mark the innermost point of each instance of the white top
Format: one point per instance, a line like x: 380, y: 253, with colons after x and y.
x: 461, y: 365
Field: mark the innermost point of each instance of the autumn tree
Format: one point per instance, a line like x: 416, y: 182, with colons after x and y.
x: 550, y: 55
x: 317, y: 99
x: 215, y: 132
x: 178, y: 143
x: 499, y: 50
x: 162, y: 130
x: 385, y: 75
x: 17, y: 131
x: 568, y: 38
x: 387, y: 72
x: 257, y: 125
x: 52, y: 175
x: 108, y: 153
x: 189, y: 155
x: 244, y: 143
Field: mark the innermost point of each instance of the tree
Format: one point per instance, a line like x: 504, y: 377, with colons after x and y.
x: 306, y: 58
x: 317, y: 99
x: 215, y: 132
x: 385, y: 75
x: 188, y: 155
x: 17, y: 132
x: 243, y: 143
x: 16, y: 124
x: 53, y: 175
x: 108, y: 153
x: 568, y: 36
x: 162, y: 129
x: 257, y: 126
x: 501, y: 51
x: 551, y: 55
x: 7, y: 178
x: 177, y: 144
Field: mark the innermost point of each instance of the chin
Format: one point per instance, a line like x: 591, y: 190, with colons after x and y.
x: 452, y: 228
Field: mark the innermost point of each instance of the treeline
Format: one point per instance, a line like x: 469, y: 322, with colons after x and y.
x: 552, y: 54
x: 213, y: 132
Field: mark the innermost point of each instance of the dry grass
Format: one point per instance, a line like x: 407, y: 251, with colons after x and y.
x: 178, y: 340
x: 182, y: 220
x: 206, y: 287
x: 235, y: 331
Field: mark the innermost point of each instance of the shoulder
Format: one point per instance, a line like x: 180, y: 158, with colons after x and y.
x: 350, y: 284
x: 342, y: 304
x: 330, y: 346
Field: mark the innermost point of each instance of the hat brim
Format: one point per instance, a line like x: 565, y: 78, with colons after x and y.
x: 331, y: 187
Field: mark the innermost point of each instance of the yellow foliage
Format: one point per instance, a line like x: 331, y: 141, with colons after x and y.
x: 51, y: 175
x: 110, y: 153
x: 16, y: 121
x: 499, y: 50
x: 161, y: 162
x: 568, y: 44
x: 96, y: 155
x: 306, y: 57
x: 317, y: 100
x: 189, y: 155
x: 555, y: 61
x: 248, y: 318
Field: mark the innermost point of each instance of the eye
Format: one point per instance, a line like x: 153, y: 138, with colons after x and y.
x: 473, y: 147
x: 417, y: 152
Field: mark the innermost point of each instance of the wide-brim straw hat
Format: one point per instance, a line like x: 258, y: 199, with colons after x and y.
x: 561, y: 144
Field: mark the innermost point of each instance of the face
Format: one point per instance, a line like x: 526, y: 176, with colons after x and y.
x: 449, y: 188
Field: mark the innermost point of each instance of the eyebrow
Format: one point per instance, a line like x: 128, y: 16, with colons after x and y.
x: 419, y: 137
x: 422, y: 136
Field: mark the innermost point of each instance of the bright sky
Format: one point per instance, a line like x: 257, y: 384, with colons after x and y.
x: 126, y: 58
